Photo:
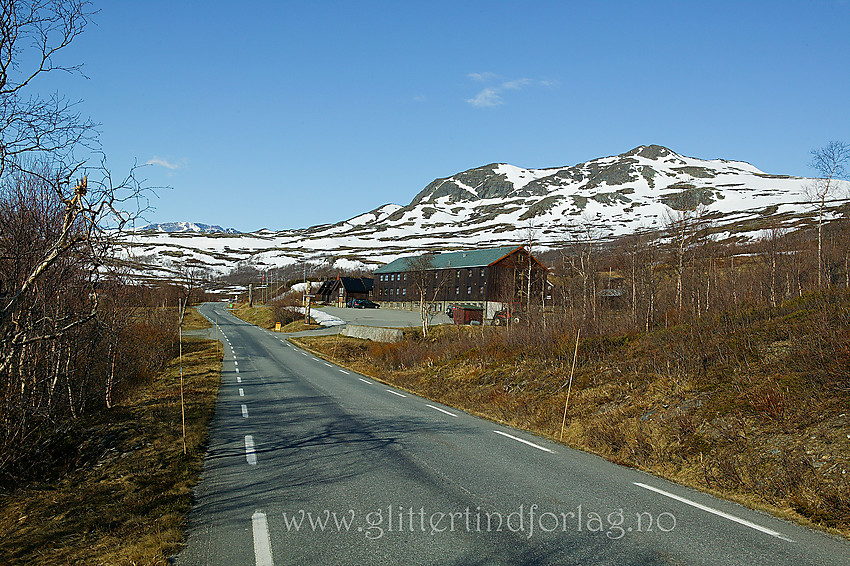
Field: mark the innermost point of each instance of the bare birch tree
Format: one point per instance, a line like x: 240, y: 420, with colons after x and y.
x: 428, y: 282
x: 831, y: 163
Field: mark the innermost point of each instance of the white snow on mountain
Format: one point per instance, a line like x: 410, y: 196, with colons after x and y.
x: 500, y: 204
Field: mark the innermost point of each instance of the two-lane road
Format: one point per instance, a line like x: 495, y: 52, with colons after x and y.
x: 310, y: 463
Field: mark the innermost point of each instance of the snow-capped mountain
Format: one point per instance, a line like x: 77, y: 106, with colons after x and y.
x: 502, y: 204
x: 194, y: 227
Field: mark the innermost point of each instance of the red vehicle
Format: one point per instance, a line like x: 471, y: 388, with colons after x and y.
x: 505, y: 316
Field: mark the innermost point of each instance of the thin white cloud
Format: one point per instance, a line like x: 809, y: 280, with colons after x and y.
x: 163, y: 163
x: 482, y: 77
x: 492, y: 95
x: 420, y: 98
x: 486, y: 98
x: 515, y: 84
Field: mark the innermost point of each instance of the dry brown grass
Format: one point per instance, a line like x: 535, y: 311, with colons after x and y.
x: 300, y: 325
x: 754, y: 410
x: 261, y: 315
x: 194, y: 321
x: 124, y: 499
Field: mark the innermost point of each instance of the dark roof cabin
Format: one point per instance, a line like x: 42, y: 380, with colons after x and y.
x: 343, y: 289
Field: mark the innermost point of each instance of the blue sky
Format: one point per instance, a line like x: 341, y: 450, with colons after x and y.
x: 290, y: 114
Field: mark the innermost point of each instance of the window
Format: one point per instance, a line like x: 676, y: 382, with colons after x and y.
x: 469, y: 274
x: 482, y: 272
x: 405, y: 276
x: 458, y: 272
x: 469, y: 290
x: 457, y: 290
x: 404, y: 291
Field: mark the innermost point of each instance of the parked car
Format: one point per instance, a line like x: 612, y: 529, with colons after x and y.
x: 450, y: 311
x: 362, y: 304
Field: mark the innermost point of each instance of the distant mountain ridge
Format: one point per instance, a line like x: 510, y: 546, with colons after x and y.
x: 500, y: 204
x: 197, y: 227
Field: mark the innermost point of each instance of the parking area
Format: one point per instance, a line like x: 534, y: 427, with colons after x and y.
x: 390, y: 318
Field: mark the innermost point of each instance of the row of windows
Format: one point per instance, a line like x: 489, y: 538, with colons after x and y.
x: 390, y: 292
x: 403, y: 291
x: 403, y: 276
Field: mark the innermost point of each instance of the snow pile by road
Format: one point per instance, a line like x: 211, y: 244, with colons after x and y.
x: 322, y: 317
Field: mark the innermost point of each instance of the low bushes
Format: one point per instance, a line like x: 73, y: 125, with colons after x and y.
x: 754, y: 407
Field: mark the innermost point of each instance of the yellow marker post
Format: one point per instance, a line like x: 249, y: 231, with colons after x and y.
x: 277, y: 327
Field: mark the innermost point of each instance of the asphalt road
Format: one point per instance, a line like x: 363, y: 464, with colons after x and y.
x: 313, y: 464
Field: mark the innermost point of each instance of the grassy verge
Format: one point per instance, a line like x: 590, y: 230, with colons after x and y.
x: 756, y: 413
x: 300, y: 325
x: 263, y: 316
x: 125, y: 499
x: 260, y: 315
x: 194, y: 321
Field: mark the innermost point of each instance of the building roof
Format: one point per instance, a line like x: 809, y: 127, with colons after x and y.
x: 350, y: 284
x: 357, y: 284
x: 454, y: 260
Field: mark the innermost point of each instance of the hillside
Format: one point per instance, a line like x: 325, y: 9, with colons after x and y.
x: 499, y: 204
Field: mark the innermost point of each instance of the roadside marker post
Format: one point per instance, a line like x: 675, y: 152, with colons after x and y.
x: 570, y: 386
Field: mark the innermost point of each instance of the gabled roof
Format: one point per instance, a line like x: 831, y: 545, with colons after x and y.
x: 455, y: 260
x: 357, y: 284
x: 350, y: 284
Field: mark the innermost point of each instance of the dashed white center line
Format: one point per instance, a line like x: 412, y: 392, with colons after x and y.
x: 442, y: 410
x: 512, y: 437
x: 345, y: 372
x: 245, y: 411
x: 396, y: 393
x: 241, y: 392
x: 716, y: 512
x: 250, y: 455
x: 329, y: 365
x: 262, y: 544
x: 364, y: 380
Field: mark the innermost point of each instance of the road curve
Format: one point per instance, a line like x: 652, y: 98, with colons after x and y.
x: 310, y: 463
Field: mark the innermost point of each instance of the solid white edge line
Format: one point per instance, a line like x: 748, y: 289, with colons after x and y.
x: 262, y: 544
x: 733, y: 518
x: 442, y: 410
x: 245, y: 411
x: 512, y: 437
x: 396, y: 393
x: 250, y: 455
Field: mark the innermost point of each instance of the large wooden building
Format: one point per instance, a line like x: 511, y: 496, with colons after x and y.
x: 487, y: 278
